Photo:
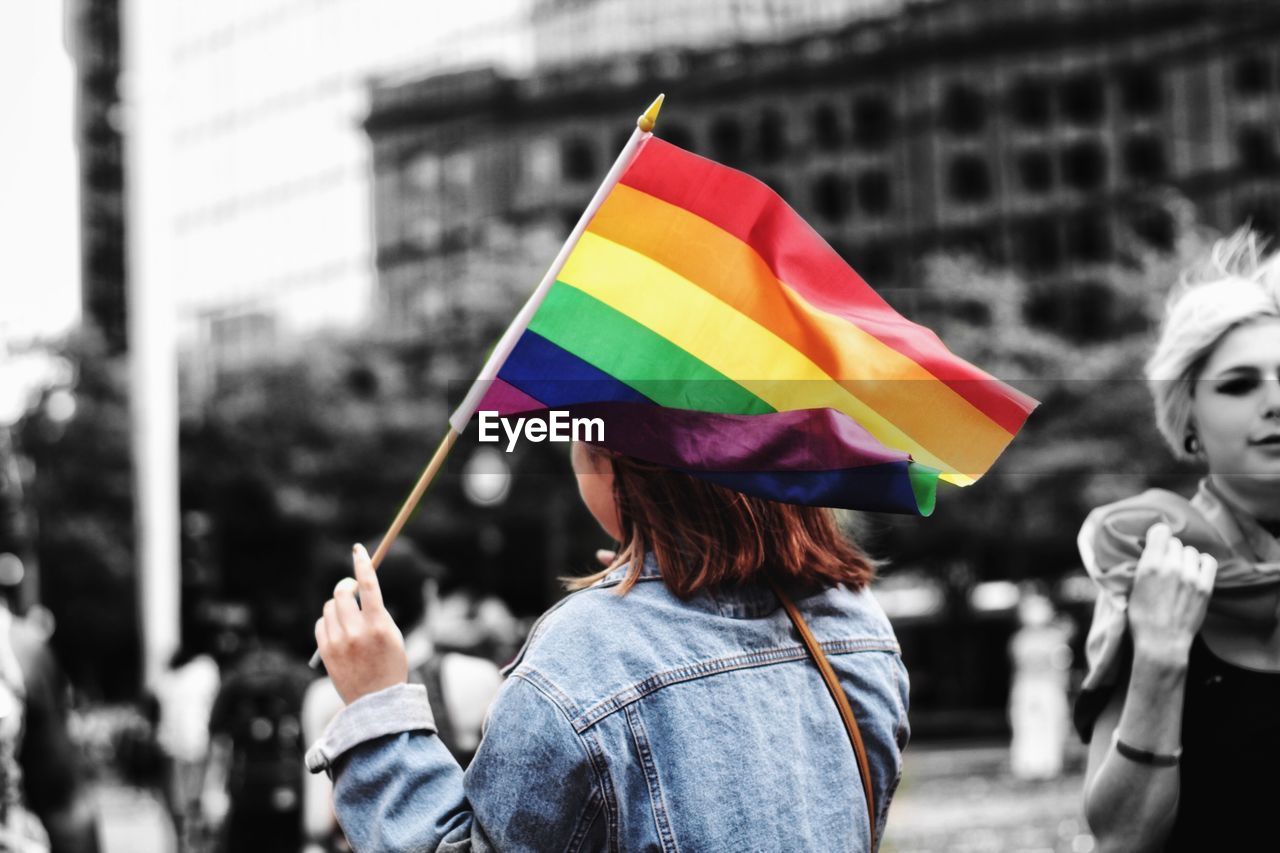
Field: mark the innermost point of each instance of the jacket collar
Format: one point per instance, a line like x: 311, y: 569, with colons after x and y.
x: 648, y: 572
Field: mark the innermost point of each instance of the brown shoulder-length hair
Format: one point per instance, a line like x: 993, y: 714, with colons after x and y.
x: 704, y: 535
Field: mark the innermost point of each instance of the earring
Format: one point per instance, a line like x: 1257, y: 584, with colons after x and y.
x: 1191, y: 443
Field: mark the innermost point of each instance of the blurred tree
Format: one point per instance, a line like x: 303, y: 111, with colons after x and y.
x: 1078, y: 346
x: 77, y: 437
x: 293, y: 461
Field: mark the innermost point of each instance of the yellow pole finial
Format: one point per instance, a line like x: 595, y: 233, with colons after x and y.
x: 646, y: 121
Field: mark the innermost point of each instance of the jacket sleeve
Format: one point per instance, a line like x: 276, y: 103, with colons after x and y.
x: 531, y: 785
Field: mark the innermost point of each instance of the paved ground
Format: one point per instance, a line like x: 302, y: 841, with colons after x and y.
x: 959, y: 799
x: 964, y: 800
x: 132, y: 821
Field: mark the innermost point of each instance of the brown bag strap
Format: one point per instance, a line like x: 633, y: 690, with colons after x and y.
x: 842, y: 703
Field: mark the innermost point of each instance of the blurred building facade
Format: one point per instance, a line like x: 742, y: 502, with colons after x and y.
x: 1051, y: 135
x: 1059, y: 137
x: 92, y: 35
x: 570, y: 32
x: 259, y: 202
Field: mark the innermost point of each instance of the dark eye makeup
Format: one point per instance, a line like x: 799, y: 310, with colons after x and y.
x: 1236, y: 385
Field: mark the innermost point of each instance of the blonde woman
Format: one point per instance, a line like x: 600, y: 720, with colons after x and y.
x: 1181, y: 705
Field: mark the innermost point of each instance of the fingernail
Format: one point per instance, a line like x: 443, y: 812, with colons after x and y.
x: 355, y: 549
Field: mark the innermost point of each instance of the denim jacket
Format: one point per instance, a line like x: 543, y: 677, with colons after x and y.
x: 641, y: 722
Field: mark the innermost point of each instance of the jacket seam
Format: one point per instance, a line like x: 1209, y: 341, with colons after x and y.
x: 897, y: 696
x: 592, y: 811
x: 704, y: 669
x: 535, y: 630
x: 603, y: 788
x: 596, y: 753
x: 660, y: 818
x: 549, y: 689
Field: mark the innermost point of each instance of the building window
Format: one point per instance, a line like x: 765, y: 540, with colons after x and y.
x: 1038, y: 247
x: 874, y: 263
x: 1144, y: 158
x: 726, y: 140
x: 1257, y: 151
x: 1084, y: 166
x: 872, y: 121
x: 1083, y: 311
x: 104, y: 175
x: 826, y: 128
x: 776, y: 184
x: 1141, y: 92
x: 1089, y: 237
x: 977, y: 242
x: 831, y: 197
x: 964, y: 110
x: 578, y: 160
x: 773, y: 136
x: 678, y: 135
x: 1029, y: 103
x: 541, y: 162
x: 968, y: 179
x: 1252, y: 76
x: 1084, y: 100
x: 874, y: 196
x: 1155, y: 226
x: 106, y: 260
x: 1035, y: 171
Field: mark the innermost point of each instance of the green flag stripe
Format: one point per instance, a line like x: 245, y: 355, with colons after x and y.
x: 637, y: 356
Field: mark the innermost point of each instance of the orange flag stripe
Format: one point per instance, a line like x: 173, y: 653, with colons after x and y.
x: 897, y: 387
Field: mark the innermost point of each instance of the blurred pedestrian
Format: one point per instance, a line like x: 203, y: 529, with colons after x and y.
x: 478, y: 624
x: 1039, y: 713
x: 256, y: 750
x: 1183, y: 685
x: 44, y: 801
x: 460, y: 687
x: 185, y: 693
x: 666, y: 704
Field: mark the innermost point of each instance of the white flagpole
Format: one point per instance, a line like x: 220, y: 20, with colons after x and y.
x: 462, y: 416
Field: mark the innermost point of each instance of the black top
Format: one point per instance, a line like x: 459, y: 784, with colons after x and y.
x: 1229, y: 776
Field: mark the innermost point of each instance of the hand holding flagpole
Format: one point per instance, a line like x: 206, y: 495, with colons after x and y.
x: 462, y: 415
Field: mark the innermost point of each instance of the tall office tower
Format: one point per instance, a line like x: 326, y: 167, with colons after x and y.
x: 92, y: 33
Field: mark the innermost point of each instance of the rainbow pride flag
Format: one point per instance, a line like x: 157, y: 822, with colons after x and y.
x: 715, y: 332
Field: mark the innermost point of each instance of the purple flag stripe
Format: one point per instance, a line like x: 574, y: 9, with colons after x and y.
x: 505, y: 398
x: 795, y: 440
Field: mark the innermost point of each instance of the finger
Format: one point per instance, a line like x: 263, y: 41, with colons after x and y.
x: 1172, y: 561
x: 344, y: 598
x: 332, y: 626
x: 1208, y: 572
x: 367, y: 578
x: 322, y: 637
x: 1190, y: 566
x: 1157, y: 543
x: 605, y: 557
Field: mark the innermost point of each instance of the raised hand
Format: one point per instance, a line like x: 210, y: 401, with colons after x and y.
x: 1171, y: 591
x: 362, y: 648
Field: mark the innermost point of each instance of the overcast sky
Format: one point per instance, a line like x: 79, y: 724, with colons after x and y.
x: 39, y: 268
